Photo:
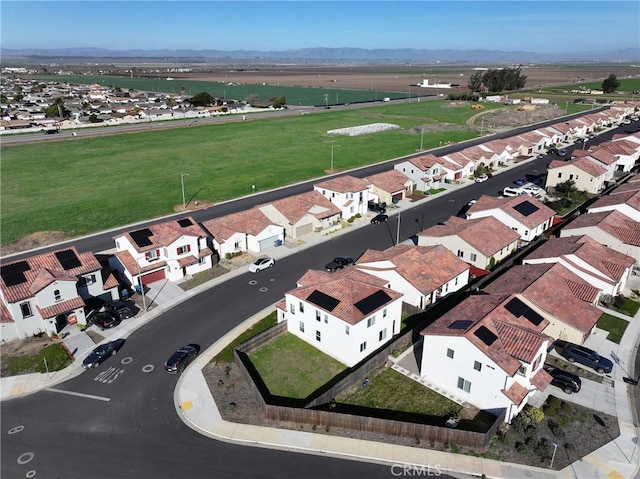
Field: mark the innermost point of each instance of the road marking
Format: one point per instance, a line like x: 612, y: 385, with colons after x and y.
x: 71, y: 393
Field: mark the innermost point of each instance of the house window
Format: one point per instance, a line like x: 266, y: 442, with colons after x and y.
x: 152, y: 255
x: 460, y: 253
x: 301, y: 325
x: 477, y: 365
x: 363, y: 346
x: 57, y: 295
x: 326, y: 319
x: 473, y: 256
x: 450, y: 353
x: 87, y: 280
x: 464, y: 385
x: 382, y: 335
x: 301, y: 307
x: 236, y: 245
x: 318, y: 315
x: 346, y: 329
x: 183, y: 249
x: 202, y: 260
x: 371, y: 321
x: 25, y: 308
x: 318, y: 336
x: 536, y: 363
x: 384, y: 313
x: 292, y: 308
x: 522, y: 370
x: 560, y: 175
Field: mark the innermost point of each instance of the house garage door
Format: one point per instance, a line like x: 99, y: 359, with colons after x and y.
x: 268, y: 242
x: 304, y: 229
x: 151, y: 277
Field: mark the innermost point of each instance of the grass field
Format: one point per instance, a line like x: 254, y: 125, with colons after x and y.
x: 616, y: 326
x: 87, y: 185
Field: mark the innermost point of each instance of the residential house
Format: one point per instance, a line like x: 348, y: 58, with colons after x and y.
x: 626, y: 151
x: 610, y: 228
x: 563, y: 303
x: 348, y: 193
x: 426, y: 171
x: 347, y: 314
x: 423, y: 274
x: 481, y: 242
x: 43, y: 293
x: 303, y: 214
x: 456, y: 166
x: 249, y: 230
x: 479, y: 355
x: 482, y: 156
x: 169, y: 250
x: 601, y: 157
x: 504, y: 148
x: 598, y: 265
x: 627, y: 202
x: 533, y: 143
x: 586, y: 175
x: 390, y: 186
x: 524, y: 214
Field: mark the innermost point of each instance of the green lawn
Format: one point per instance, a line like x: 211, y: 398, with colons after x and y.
x: 226, y: 355
x: 54, y: 356
x: 292, y: 368
x: 80, y: 186
x: 616, y: 327
x: 392, y: 391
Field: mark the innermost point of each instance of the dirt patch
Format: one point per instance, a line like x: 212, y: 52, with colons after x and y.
x: 36, y: 240
x: 27, y: 347
x: 192, y: 205
x: 511, y: 117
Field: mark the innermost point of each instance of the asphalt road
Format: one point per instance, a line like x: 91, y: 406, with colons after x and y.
x: 119, y: 420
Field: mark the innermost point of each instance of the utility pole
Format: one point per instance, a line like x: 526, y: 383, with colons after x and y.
x: 332, y: 147
x: 398, y: 232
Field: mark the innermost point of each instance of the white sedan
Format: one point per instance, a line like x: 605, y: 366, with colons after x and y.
x: 261, y: 263
x: 481, y: 178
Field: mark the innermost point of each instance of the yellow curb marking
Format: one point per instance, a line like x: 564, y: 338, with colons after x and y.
x: 186, y: 405
x: 615, y: 475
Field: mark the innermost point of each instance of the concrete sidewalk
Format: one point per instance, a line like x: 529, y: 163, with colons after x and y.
x: 196, y: 406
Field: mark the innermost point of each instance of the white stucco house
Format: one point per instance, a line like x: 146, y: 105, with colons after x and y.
x: 248, y: 230
x: 44, y: 293
x: 585, y: 174
x: 524, y: 214
x: 347, y: 314
x: 423, y: 274
x: 478, y: 354
x: 348, y: 193
x: 600, y: 266
x: 169, y: 250
x: 426, y: 171
x: 626, y: 202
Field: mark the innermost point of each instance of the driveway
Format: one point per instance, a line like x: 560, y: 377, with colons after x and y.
x: 163, y: 293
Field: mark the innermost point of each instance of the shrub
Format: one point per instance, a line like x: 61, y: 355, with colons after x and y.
x: 552, y: 406
x: 555, y: 428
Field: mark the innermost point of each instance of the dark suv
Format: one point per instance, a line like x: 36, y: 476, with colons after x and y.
x: 181, y: 358
x: 105, y: 320
x: 569, y: 383
x: 338, y: 262
x: 575, y: 353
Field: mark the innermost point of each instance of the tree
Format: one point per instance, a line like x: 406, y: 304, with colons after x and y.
x: 171, y: 102
x: 475, y: 81
x: 278, y: 102
x: 58, y: 102
x: 610, y: 84
x: 202, y: 99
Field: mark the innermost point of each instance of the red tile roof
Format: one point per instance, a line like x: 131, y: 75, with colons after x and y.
x: 164, y: 234
x: 630, y: 198
x: 516, y: 393
x: 295, y: 207
x: 391, y: 181
x: 613, y: 222
x: 584, y: 164
x: 61, y: 307
x: 508, y: 205
x: 541, y: 379
x: 344, y: 184
x: 251, y: 221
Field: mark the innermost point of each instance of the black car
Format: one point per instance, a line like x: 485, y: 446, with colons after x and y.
x: 120, y: 309
x: 379, y: 219
x: 580, y: 354
x: 378, y: 207
x: 105, y: 320
x: 181, y: 358
x: 338, y: 262
x: 101, y: 353
x: 568, y: 382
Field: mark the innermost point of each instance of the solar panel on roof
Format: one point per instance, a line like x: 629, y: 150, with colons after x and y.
x: 141, y: 237
x: 372, y: 302
x: 323, y: 300
x: 519, y: 309
x: 68, y: 259
x: 184, y: 222
x: 13, y: 274
x: 526, y: 208
x: 460, y: 324
x: 486, y: 336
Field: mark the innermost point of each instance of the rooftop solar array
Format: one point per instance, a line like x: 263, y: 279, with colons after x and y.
x: 526, y: 208
x: 68, y: 259
x: 372, y: 302
x: 13, y: 274
x: 325, y: 301
x: 486, y: 336
x: 461, y: 324
x: 184, y: 222
x: 519, y: 309
x: 141, y: 237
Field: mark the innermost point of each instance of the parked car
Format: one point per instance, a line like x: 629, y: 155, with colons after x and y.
x: 520, y: 181
x: 379, y: 219
x: 378, y: 207
x: 562, y: 152
x: 552, y: 151
x: 338, y: 262
x: 531, y: 190
x: 568, y: 382
x: 583, y: 355
x: 471, y: 203
x: 508, y: 191
x: 541, y: 156
x: 481, y: 178
x: 101, y: 353
x: 121, y: 309
x: 181, y: 358
x: 261, y: 263
x: 105, y: 320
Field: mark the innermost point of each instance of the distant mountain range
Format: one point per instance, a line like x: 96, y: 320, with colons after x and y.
x: 317, y: 55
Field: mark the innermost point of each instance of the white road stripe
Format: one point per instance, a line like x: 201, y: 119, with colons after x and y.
x: 88, y: 396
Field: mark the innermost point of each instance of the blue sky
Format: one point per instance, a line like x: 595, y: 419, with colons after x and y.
x: 528, y: 25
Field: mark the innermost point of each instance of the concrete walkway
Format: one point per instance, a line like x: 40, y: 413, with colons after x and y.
x: 196, y: 406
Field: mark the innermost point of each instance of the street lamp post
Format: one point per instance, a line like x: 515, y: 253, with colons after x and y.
x: 144, y: 300
x: 184, y: 201
x: 332, y: 147
x: 553, y: 456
